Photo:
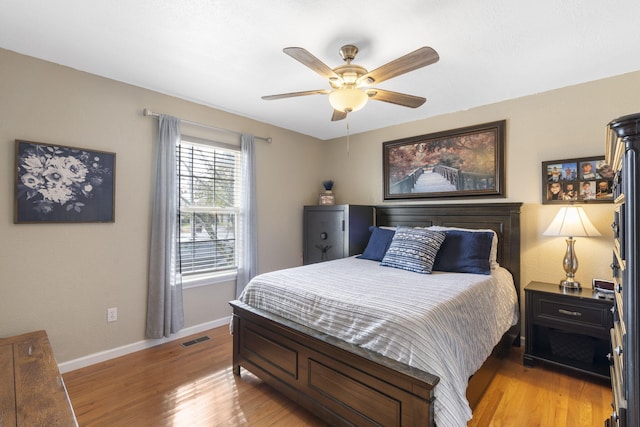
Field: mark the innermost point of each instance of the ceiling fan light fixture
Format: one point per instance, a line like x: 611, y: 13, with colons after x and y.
x: 351, y: 83
x: 348, y: 99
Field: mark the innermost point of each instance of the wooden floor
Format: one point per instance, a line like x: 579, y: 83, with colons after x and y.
x: 172, y: 385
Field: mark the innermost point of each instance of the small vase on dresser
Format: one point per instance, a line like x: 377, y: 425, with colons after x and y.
x: 327, y: 197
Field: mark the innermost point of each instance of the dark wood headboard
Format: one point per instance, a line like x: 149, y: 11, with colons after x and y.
x: 503, y: 218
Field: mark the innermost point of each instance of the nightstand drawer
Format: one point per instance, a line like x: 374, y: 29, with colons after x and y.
x: 577, y: 315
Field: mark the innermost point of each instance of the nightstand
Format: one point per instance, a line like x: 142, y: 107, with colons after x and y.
x: 567, y: 328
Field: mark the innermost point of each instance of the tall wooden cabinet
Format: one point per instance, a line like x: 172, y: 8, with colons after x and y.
x: 335, y: 231
x: 622, y: 153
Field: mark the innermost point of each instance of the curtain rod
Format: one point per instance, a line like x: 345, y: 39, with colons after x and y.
x: 149, y: 113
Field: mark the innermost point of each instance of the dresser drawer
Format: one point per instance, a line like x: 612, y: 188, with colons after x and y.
x: 619, y: 403
x: 574, y: 314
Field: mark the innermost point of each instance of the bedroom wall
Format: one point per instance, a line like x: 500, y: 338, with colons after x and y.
x: 564, y: 123
x: 63, y: 277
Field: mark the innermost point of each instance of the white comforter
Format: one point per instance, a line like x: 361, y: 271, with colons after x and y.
x: 444, y: 323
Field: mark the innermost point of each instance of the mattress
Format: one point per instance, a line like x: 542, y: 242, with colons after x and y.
x: 443, y: 323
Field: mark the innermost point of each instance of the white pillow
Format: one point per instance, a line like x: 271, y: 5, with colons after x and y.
x: 493, y: 255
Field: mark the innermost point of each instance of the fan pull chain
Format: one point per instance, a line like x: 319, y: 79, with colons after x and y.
x: 348, y: 131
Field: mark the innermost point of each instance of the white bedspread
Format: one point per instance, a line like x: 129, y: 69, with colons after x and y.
x: 444, y: 323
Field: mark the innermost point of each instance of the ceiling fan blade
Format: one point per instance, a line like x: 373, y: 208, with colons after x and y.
x: 396, y: 98
x: 306, y: 58
x: 338, y: 115
x: 294, y: 94
x: 412, y: 61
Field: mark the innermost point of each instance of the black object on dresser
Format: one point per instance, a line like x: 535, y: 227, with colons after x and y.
x: 335, y: 231
x: 569, y: 328
x: 621, y: 153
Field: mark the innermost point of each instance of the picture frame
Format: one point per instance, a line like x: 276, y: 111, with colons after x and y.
x: 457, y: 163
x: 62, y: 184
x: 577, y: 180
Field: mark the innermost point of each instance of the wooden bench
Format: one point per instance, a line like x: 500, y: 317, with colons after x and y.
x: 32, y: 392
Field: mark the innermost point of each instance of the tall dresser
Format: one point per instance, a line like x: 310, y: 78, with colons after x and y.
x: 623, y: 154
x: 335, y: 231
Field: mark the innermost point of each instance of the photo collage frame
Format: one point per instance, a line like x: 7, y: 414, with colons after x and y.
x: 580, y: 180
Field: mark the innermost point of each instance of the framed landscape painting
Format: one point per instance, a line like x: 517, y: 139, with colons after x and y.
x: 455, y: 163
x: 579, y: 180
x: 59, y: 184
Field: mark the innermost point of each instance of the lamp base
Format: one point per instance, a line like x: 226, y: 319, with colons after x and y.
x: 572, y: 285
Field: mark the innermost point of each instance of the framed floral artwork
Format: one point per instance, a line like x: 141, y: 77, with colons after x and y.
x: 580, y: 180
x: 59, y: 184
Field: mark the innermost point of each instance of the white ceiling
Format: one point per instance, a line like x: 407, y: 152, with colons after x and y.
x: 228, y: 53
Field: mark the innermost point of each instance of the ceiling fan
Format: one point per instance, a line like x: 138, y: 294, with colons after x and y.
x: 351, y: 83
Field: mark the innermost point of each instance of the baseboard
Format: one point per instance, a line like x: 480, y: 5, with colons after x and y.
x: 102, y: 356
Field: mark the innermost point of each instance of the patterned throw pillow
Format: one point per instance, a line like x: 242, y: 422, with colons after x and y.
x: 413, y: 249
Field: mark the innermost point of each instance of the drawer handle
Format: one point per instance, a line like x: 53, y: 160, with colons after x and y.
x: 30, y: 351
x: 618, y: 350
x: 569, y: 313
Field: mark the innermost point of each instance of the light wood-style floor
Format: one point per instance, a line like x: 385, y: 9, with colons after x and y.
x: 171, y: 385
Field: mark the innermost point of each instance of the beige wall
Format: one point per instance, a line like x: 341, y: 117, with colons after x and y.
x: 559, y: 124
x: 63, y: 277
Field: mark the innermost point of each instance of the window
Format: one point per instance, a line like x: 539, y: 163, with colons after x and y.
x: 209, y: 203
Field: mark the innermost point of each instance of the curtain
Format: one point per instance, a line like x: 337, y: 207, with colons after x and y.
x: 248, y: 230
x: 164, y: 307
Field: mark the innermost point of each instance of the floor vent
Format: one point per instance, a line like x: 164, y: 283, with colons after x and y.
x: 195, y: 341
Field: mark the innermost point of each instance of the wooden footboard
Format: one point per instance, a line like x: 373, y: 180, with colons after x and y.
x: 341, y: 383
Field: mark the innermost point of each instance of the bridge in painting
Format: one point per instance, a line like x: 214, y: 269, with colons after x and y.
x: 439, y: 178
x: 432, y: 182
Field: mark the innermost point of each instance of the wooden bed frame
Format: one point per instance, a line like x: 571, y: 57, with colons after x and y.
x: 346, y: 385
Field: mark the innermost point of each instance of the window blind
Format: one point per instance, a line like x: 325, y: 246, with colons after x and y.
x: 209, y: 203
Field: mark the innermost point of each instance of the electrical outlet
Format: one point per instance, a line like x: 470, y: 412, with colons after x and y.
x: 112, y: 314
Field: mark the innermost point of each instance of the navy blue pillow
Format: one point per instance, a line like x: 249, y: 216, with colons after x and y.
x: 465, y: 252
x: 379, y: 242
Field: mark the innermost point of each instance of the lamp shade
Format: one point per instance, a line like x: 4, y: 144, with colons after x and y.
x: 571, y: 221
x: 348, y: 98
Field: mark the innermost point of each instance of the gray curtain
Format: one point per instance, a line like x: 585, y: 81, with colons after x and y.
x: 248, y: 230
x: 164, y: 307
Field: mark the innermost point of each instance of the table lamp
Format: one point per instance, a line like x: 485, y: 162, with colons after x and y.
x: 571, y: 221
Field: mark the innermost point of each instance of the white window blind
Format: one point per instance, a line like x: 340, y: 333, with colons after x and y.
x: 209, y: 188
